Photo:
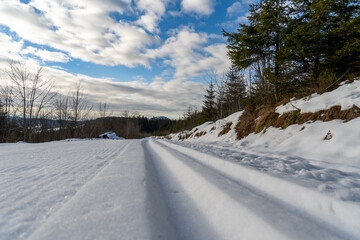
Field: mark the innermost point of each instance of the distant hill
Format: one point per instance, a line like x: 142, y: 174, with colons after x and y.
x: 160, y: 118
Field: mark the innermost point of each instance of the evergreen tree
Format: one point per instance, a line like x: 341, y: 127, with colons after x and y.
x: 344, y: 36
x: 325, y: 37
x: 209, y: 109
x: 263, y: 41
x: 235, y: 90
x: 297, y: 43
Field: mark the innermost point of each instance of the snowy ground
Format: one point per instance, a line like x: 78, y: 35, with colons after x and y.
x: 155, y: 189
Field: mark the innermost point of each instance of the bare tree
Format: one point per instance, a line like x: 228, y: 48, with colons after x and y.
x: 6, y: 99
x: 32, y: 94
x: 5, y: 104
x: 61, y: 109
x: 79, y: 106
x: 104, y: 110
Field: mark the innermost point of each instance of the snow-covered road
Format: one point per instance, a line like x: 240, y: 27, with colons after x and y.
x: 153, y: 189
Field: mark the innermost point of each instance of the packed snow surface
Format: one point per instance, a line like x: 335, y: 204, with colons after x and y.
x: 155, y: 189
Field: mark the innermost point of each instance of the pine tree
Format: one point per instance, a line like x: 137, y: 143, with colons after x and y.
x: 344, y: 36
x: 325, y: 37
x: 263, y: 41
x: 235, y: 90
x: 209, y: 109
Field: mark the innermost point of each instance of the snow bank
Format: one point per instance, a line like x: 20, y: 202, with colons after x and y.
x: 211, y: 131
x: 306, y: 140
x: 346, y: 96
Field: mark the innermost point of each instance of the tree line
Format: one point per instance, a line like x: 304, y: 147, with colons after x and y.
x: 32, y: 111
x: 287, y: 49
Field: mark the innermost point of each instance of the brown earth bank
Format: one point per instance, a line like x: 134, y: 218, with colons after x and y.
x: 264, y: 117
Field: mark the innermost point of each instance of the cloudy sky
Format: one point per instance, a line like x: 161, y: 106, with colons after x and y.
x: 149, y: 56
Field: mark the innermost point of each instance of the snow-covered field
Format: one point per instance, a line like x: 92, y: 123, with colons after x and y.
x: 155, y: 189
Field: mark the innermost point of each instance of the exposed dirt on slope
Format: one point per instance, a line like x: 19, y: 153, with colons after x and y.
x: 226, y: 129
x: 265, y: 117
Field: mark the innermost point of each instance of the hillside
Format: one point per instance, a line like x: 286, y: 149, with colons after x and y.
x: 298, y: 127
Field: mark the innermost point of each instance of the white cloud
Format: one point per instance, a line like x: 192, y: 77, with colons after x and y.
x: 201, y: 7
x: 234, y: 9
x: 9, y: 48
x: 234, y: 23
x: 243, y: 19
x: 159, y: 97
x: 248, y: 2
x: 81, y: 28
x: 217, y: 61
x: 154, y: 10
x: 187, y: 52
x: 156, y: 98
x: 46, y: 56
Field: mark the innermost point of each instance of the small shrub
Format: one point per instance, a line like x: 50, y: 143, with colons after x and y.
x: 291, y: 118
x: 246, y: 124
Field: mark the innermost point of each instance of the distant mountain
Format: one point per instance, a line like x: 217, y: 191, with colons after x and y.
x: 160, y: 118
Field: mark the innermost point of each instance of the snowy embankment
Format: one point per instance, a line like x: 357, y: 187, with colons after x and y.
x: 301, y: 165
x: 299, y: 140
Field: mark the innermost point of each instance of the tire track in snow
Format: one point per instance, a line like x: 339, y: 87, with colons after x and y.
x: 338, y: 216
x: 184, y: 215
x: 114, y: 204
x: 158, y: 212
x: 110, y: 154
x: 233, y: 210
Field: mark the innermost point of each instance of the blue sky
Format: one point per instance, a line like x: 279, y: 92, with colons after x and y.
x: 149, y: 56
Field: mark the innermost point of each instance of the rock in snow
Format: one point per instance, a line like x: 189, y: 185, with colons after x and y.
x: 110, y: 135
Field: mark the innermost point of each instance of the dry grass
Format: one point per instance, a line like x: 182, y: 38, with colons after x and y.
x: 246, y: 124
x: 226, y: 129
x: 199, y: 134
